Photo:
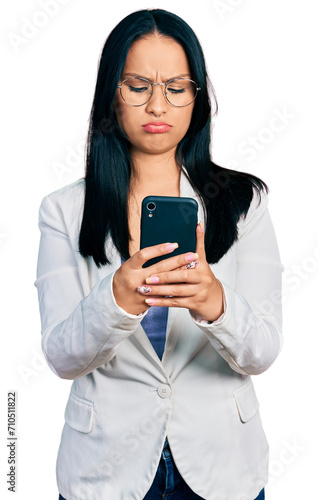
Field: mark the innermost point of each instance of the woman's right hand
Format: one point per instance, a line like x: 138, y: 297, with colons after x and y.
x: 131, y: 274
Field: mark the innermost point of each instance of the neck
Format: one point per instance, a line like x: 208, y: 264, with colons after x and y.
x: 155, y: 174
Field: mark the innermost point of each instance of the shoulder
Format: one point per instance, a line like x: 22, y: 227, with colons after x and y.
x: 63, y: 207
x: 239, y: 197
x: 258, y: 204
x: 246, y: 195
x: 258, y: 209
x: 70, y: 193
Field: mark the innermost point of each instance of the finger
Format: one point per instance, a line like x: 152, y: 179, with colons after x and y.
x: 173, y: 290
x: 175, y: 276
x: 191, y: 265
x: 200, y: 248
x: 169, y: 302
x: 172, y: 263
x: 147, y: 253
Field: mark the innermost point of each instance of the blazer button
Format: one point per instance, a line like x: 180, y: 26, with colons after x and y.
x: 164, y: 391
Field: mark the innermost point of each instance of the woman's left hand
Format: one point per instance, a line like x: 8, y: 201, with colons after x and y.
x: 196, y: 288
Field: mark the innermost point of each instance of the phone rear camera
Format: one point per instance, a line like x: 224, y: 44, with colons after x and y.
x: 151, y: 206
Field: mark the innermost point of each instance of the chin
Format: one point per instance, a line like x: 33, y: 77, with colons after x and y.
x: 155, y: 146
x: 159, y: 149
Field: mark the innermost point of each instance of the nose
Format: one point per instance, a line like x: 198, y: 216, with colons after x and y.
x: 157, y: 103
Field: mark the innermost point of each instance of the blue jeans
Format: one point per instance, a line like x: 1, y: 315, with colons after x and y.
x: 169, y: 484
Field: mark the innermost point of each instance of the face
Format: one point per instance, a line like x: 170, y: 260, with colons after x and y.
x: 158, y: 59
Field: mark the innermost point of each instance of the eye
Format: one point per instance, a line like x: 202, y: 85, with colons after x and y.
x: 176, y: 89
x: 179, y: 86
x: 136, y: 86
x: 137, y: 89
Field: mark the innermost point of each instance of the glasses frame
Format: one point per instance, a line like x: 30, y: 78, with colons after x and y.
x: 164, y: 93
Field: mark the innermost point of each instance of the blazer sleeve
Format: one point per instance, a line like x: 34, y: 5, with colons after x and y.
x: 79, y: 333
x: 248, y: 335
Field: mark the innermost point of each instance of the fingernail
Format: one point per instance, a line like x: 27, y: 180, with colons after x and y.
x: 150, y: 302
x: 191, y: 256
x: 152, y: 279
x: 144, y: 289
x: 171, y: 246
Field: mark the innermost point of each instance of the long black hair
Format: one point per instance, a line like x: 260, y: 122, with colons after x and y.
x: 226, y: 194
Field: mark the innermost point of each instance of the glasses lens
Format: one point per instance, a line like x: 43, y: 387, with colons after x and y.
x: 135, y: 91
x: 181, y: 92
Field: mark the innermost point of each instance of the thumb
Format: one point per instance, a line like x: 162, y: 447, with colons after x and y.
x: 200, y: 249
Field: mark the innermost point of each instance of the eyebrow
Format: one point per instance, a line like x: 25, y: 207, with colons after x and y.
x: 136, y: 75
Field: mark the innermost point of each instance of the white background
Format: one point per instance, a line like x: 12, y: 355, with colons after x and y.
x: 262, y: 60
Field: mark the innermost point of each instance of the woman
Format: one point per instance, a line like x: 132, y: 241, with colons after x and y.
x: 162, y: 404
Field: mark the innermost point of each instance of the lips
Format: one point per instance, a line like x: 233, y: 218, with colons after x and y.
x: 156, y: 127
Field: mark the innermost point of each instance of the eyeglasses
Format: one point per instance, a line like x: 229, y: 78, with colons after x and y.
x: 179, y: 92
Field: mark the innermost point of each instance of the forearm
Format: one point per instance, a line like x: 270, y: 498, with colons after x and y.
x: 248, y: 340
x: 248, y: 334
x: 90, y: 336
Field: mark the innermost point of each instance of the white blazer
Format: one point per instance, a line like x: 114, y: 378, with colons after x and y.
x: 124, y: 401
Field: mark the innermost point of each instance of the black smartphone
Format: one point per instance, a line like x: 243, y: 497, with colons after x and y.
x: 168, y: 219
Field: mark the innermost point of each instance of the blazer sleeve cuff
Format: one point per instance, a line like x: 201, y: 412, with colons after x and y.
x: 122, y: 311
x: 203, y: 322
